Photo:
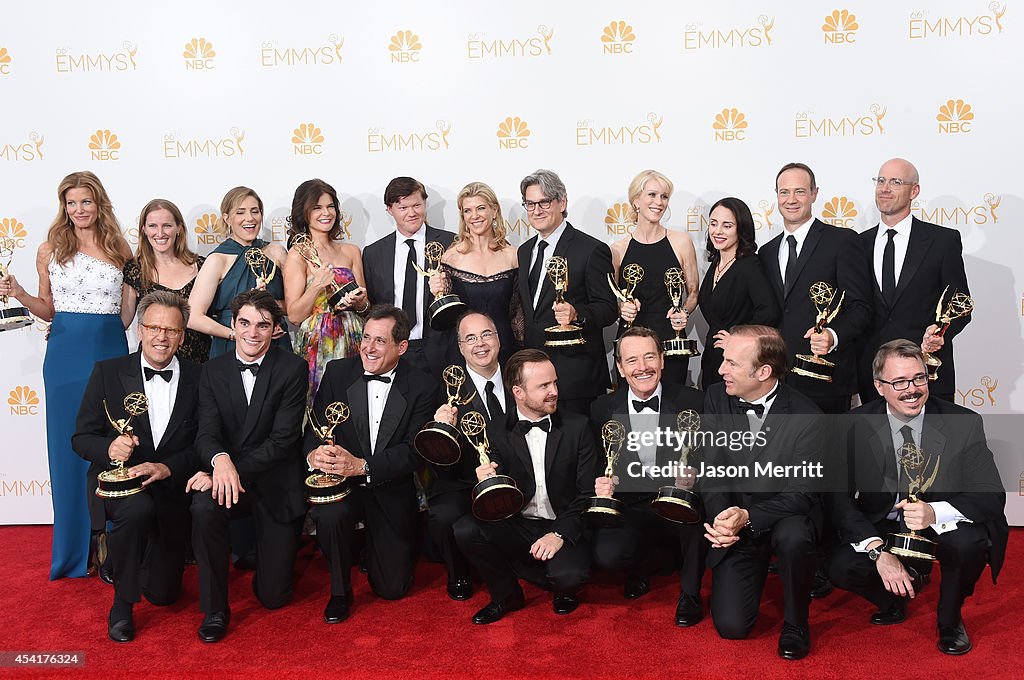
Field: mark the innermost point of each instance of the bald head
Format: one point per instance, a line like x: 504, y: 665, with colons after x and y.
x: 894, y: 201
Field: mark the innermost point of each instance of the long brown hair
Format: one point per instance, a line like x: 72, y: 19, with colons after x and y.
x: 145, y: 254
x: 307, y: 195
x: 480, y: 190
x: 62, y: 237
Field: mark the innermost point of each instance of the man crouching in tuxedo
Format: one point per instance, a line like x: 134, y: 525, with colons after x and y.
x: 251, y: 405
x: 147, y: 541
x: 551, y: 456
x: 389, y: 400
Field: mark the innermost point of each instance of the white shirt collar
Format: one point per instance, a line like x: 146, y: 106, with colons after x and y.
x: 902, y: 228
x: 632, y: 396
x: 896, y: 424
x: 800, y: 233
x: 520, y: 415
x: 553, y: 237
x: 258, y: 362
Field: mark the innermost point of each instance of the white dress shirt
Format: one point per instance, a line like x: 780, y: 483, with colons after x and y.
x: 899, y: 247
x: 647, y: 421
x: 538, y: 507
x: 800, y: 234
x: 248, y: 383
x: 480, y: 383
x: 768, y: 399
x: 160, y: 394
x: 376, y: 399
x: 552, y: 241
x: 401, y: 263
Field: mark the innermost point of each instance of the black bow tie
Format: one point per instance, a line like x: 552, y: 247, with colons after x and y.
x: 745, y: 406
x: 524, y: 426
x: 369, y: 376
x: 165, y: 374
x: 651, y: 403
x: 253, y: 368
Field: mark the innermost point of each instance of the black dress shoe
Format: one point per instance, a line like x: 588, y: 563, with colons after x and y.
x: 689, y: 610
x: 460, y: 589
x: 893, y: 614
x: 214, y: 626
x: 337, y: 609
x: 122, y: 630
x: 820, y: 586
x: 106, y: 573
x: 953, y: 640
x: 794, y: 642
x: 636, y: 587
x: 564, y: 604
x: 495, y: 610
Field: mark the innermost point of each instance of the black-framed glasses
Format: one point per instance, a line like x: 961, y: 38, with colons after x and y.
x: 155, y: 330
x: 919, y: 380
x: 895, y: 182
x: 486, y: 336
x: 543, y: 204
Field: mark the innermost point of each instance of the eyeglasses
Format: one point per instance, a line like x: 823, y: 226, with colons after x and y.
x: 486, y: 336
x: 919, y: 380
x: 543, y: 204
x: 895, y: 182
x: 156, y: 330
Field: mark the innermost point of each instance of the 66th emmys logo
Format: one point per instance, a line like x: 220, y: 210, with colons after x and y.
x: 104, y: 146
x: 617, y: 38
x: 307, y: 140
x: 697, y: 217
x: 619, y: 220
x: 981, y: 395
x: 978, y: 214
x: 840, y: 27
x: 205, y: 147
x: 272, y: 56
x: 839, y: 211
x: 513, y: 133
x: 69, y: 61
x: 32, y: 150
x: 207, y: 231
x: 730, y: 126
x: 23, y: 401
x: 404, y: 47
x: 5, y: 62
x: 590, y: 134
x: 480, y: 46
x: 13, y: 230
x: 382, y: 140
x: 199, y: 54
x: 955, y: 117
x: 923, y: 25
x: 806, y: 125
x: 759, y: 35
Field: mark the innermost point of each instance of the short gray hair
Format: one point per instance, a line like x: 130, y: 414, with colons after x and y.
x: 550, y: 184
x: 904, y: 349
x: 164, y: 298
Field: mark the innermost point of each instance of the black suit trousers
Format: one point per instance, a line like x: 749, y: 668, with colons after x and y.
x: 443, y: 511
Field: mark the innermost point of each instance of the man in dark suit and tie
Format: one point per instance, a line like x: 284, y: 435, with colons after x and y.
x: 589, y: 303
x: 449, y: 493
x: 251, y: 404
x: 911, y: 262
x: 391, y: 278
x: 551, y: 457
x: 806, y: 252
x: 962, y: 510
x: 389, y: 400
x: 645, y: 404
x: 147, y: 541
x: 752, y: 516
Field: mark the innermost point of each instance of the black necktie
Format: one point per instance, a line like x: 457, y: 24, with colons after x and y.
x: 165, y: 374
x: 651, y: 403
x: 903, y: 483
x: 790, y: 264
x: 889, y: 267
x: 369, y: 376
x: 409, y: 290
x: 253, y: 368
x: 524, y: 426
x: 537, y: 264
x: 493, y: 405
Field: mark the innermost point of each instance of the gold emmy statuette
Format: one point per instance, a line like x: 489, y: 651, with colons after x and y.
x: 11, y: 317
x: 116, y: 483
x: 569, y: 335
x: 674, y: 504
x: 632, y: 274
x: 262, y: 267
x: 306, y: 248
x: 915, y: 463
x: 958, y: 305
x: 325, y: 487
x: 811, y: 365
x: 606, y: 511
x: 497, y: 497
x: 438, y: 442
x: 446, y: 308
x: 675, y: 284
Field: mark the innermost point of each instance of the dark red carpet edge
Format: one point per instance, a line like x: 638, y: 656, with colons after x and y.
x: 427, y: 635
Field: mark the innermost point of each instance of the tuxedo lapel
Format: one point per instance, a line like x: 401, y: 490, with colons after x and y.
x: 770, y: 260
x: 387, y: 268
x: 186, y: 386
x: 525, y: 253
x: 259, y: 393
x: 547, y: 289
x: 917, y: 248
x: 868, y: 244
x: 619, y: 412
x: 131, y: 381
x: 551, y: 450
x: 519, y: 447
x: 814, y: 235
x: 883, y: 454
x: 359, y: 411
x: 394, y: 408
x: 933, y: 445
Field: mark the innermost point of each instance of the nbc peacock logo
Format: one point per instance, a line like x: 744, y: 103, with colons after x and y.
x: 617, y: 38
x: 5, y: 62
x: 955, y: 117
x: 207, y: 230
x: 23, y: 401
x: 104, y: 146
x: 404, y: 47
x: 839, y: 211
x: 619, y: 220
x: 199, y: 54
x: 12, y: 229
x: 840, y: 27
x: 513, y: 133
x: 730, y: 126
x: 307, y: 140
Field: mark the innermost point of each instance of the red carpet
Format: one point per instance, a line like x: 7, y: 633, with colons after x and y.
x: 427, y: 635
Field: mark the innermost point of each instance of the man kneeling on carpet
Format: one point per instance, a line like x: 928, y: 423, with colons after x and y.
x: 147, y: 541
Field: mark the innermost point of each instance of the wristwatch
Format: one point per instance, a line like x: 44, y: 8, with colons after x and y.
x: 875, y: 553
x: 558, y: 535
x: 366, y: 467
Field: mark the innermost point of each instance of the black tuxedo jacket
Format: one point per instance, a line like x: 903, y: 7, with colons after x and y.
x: 833, y: 255
x: 934, y: 260
x: 568, y: 466
x: 582, y: 371
x: 967, y: 477
x: 112, y: 380
x: 794, y: 432
x: 262, y: 437
x: 411, y: 403
x: 614, y: 406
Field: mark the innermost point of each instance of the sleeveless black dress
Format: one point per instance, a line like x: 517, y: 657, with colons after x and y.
x: 497, y: 296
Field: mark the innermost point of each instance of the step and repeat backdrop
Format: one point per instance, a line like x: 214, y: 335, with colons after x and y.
x: 186, y: 102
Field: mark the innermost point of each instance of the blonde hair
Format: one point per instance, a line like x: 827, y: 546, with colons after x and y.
x: 232, y: 200
x: 144, y: 252
x: 481, y: 190
x: 636, y: 187
x: 61, y: 235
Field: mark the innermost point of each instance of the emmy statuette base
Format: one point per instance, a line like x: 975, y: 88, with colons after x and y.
x: 563, y: 336
x: 932, y: 363
x: 681, y: 506
x: 680, y: 347
x: 438, y: 443
x: 15, y: 317
x: 813, y: 366
x: 496, y: 498
x: 602, y: 512
x: 911, y: 546
x: 335, y: 299
x: 323, y: 488
x: 445, y: 311
x: 117, y: 484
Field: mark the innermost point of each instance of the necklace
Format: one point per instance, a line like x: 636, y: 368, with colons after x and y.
x: 720, y: 270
